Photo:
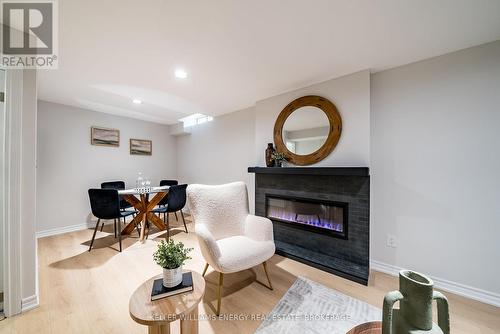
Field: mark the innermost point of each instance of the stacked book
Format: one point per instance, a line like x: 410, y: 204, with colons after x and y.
x: 159, y: 291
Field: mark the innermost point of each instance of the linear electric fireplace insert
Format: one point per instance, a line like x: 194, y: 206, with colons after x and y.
x: 325, y: 217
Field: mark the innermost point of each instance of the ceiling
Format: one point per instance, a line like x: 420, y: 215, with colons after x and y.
x: 239, y: 52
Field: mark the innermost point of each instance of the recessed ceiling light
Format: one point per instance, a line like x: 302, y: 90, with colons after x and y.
x: 136, y: 101
x: 180, y: 73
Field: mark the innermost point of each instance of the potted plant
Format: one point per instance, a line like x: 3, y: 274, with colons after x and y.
x: 278, y: 158
x: 171, y: 257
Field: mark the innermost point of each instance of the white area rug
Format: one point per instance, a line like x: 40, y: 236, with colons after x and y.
x: 309, y: 307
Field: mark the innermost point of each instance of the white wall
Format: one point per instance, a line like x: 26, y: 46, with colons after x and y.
x: 219, y: 151
x: 351, y: 96
x: 435, y: 163
x: 68, y: 165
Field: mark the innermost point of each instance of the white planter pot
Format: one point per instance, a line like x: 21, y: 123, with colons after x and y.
x: 172, y: 277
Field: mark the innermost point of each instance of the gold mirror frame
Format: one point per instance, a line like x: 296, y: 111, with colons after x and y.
x: 333, y: 134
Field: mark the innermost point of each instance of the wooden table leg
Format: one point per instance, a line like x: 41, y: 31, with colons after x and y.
x: 189, y: 324
x: 130, y: 226
x: 156, y: 221
x: 144, y: 207
x: 138, y: 206
x: 159, y: 329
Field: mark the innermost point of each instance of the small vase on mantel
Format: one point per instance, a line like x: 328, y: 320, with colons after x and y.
x: 269, y: 155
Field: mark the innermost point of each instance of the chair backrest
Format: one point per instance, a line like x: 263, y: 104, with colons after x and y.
x: 169, y: 183
x: 164, y: 200
x: 223, y: 208
x: 118, y: 185
x: 113, y: 185
x: 105, y: 203
x: 176, y: 198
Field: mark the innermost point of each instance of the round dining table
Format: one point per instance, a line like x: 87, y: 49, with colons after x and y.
x: 139, y: 199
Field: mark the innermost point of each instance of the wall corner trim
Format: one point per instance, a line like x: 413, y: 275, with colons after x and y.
x: 463, y: 290
x: 29, y: 303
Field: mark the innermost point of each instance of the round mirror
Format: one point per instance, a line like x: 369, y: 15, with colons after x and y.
x: 307, y: 130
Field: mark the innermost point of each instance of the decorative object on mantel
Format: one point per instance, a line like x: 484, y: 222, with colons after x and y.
x: 269, y: 155
x: 307, y: 130
x: 104, y: 137
x: 171, y: 256
x: 306, y: 298
x: 415, y: 307
x: 278, y: 159
x: 141, y: 146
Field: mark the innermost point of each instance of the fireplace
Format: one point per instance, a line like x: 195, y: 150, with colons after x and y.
x: 317, y: 216
x: 320, y: 215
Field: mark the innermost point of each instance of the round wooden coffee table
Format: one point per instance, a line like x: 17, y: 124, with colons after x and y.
x: 160, y: 313
x: 374, y: 327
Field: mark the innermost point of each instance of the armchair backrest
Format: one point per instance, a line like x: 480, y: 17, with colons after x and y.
x: 222, y: 208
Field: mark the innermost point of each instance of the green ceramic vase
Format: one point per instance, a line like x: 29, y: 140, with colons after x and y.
x: 414, y: 315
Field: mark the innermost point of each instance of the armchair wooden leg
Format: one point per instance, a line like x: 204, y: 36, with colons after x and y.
x: 184, y: 221
x: 114, y: 221
x: 205, y: 270
x: 176, y: 218
x: 267, y: 275
x: 102, y: 226
x: 95, y: 231
x: 219, y: 294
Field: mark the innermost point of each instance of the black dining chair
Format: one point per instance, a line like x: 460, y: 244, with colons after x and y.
x: 105, y: 204
x: 118, y: 185
x: 163, y: 201
x: 176, y: 200
x: 169, y: 183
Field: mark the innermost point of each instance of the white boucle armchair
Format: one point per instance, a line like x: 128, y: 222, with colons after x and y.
x: 230, y: 238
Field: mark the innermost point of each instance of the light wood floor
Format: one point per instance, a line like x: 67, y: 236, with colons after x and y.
x: 82, y: 292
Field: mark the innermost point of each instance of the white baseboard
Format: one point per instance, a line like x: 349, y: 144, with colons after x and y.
x: 71, y: 228
x: 463, y: 290
x: 79, y: 227
x: 61, y: 230
x: 29, y: 303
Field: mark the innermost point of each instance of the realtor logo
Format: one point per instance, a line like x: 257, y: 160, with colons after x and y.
x: 29, y: 34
